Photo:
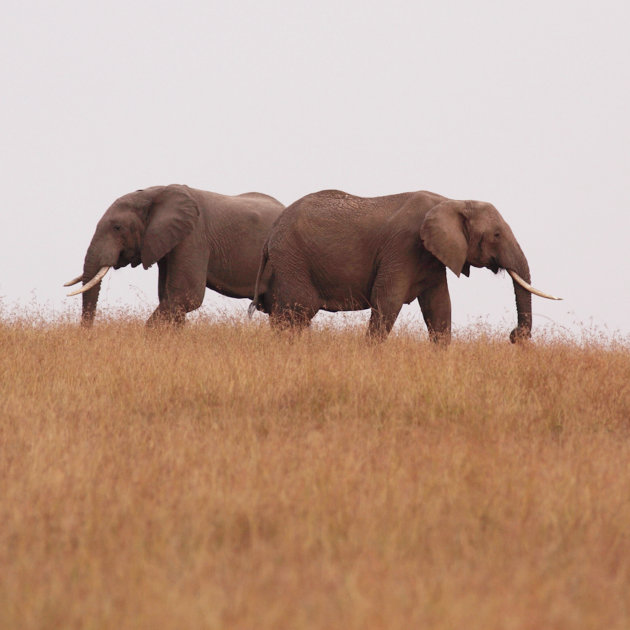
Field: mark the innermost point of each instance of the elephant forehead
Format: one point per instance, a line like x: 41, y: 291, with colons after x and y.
x: 122, y: 215
x: 483, y: 209
x: 135, y: 201
x: 486, y: 217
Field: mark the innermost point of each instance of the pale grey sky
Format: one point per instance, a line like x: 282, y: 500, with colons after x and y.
x: 525, y: 105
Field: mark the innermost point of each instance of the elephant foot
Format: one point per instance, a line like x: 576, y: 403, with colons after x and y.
x: 440, y: 338
x: 161, y: 319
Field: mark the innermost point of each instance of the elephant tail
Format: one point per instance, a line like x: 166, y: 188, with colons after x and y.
x: 256, y: 305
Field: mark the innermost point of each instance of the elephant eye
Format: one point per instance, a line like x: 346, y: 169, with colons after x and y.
x: 497, y: 234
x: 117, y: 227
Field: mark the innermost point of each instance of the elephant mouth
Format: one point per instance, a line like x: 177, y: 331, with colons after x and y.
x: 129, y: 257
x: 494, y: 266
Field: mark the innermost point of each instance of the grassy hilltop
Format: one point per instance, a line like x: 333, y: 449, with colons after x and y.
x: 226, y: 477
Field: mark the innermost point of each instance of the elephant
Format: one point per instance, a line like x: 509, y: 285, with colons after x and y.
x: 334, y: 251
x: 197, y: 238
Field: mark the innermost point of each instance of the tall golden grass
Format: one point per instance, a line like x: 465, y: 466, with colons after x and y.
x: 223, y: 476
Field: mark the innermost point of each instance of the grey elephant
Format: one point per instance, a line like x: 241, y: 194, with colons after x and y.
x: 198, y: 239
x: 337, y: 252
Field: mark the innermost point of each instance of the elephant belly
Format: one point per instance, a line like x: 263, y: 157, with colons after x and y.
x: 334, y: 307
x: 344, y: 301
x: 230, y: 287
x: 358, y: 300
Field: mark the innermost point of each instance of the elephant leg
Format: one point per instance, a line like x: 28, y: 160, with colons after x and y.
x: 166, y: 315
x: 435, y: 303
x: 386, y: 304
x: 295, y: 318
x: 291, y: 305
x: 181, y: 287
x: 382, y: 321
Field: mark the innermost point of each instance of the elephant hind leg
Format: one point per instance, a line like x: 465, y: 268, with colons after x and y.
x: 291, y: 306
x: 291, y: 318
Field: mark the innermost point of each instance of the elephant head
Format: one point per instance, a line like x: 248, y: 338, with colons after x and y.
x: 140, y: 227
x: 465, y: 233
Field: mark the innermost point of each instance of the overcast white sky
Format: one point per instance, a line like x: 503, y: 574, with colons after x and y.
x: 525, y: 105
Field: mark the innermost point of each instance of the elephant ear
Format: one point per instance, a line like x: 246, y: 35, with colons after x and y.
x: 443, y: 234
x: 172, y: 216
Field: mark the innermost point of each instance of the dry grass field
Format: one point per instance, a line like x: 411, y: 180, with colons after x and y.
x: 226, y: 477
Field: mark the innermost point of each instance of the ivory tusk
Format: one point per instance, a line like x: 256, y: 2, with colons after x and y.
x: 71, y: 282
x: 529, y: 287
x: 95, y: 280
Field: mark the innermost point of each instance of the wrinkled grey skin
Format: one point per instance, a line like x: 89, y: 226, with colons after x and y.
x: 337, y: 252
x: 198, y: 239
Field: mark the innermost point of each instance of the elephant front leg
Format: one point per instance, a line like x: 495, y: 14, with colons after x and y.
x: 435, y: 304
x: 167, y: 314
x: 181, y: 288
x: 386, y: 304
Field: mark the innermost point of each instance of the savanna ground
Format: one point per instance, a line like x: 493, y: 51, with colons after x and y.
x: 226, y: 477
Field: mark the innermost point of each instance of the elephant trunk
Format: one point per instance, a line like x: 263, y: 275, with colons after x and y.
x: 102, y: 254
x: 523, y: 311
x: 90, y: 297
x: 523, y: 329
